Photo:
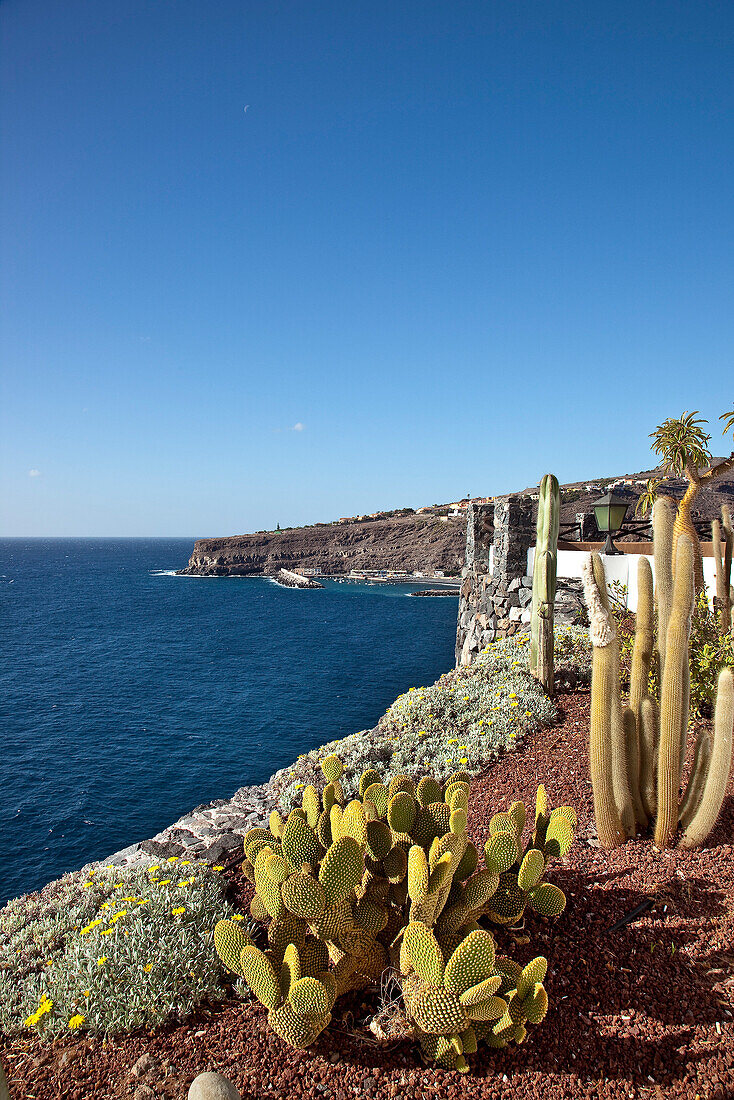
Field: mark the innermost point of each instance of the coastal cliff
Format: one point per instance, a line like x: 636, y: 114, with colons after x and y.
x: 414, y: 542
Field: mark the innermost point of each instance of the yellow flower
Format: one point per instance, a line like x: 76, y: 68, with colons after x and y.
x: 101, y: 960
x: 463, y: 760
x: 183, y: 882
x: 177, y: 912
x: 217, y: 867
x: 452, y: 740
x: 76, y: 1021
x: 185, y: 861
x: 514, y: 703
x: 117, y: 916
x: 164, y: 881
x: 155, y: 867
x: 86, y: 992
x: 86, y: 885
x: 237, y: 916
x: 105, y: 905
x: 173, y: 859
x: 107, y: 931
x: 148, y: 967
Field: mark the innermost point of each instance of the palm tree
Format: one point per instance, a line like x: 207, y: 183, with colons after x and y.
x: 684, y: 447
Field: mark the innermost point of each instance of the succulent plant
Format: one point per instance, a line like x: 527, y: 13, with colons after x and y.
x: 637, y: 753
x: 544, y: 582
x: 392, y: 879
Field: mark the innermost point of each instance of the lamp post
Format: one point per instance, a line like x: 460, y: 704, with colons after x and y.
x: 610, y: 512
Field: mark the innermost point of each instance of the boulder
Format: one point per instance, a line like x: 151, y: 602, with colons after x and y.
x: 212, y: 1086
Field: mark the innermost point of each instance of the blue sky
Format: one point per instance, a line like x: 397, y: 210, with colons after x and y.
x: 458, y: 243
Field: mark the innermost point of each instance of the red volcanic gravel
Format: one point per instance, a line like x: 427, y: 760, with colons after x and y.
x: 644, y: 1011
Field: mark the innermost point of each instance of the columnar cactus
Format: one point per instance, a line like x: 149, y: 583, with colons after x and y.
x: 641, y: 769
x: 722, y: 600
x: 544, y: 582
x: 392, y: 878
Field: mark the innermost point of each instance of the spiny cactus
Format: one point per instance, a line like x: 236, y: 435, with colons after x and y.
x: 392, y: 878
x: 544, y: 582
x: 637, y: 754
x: 723, y: 561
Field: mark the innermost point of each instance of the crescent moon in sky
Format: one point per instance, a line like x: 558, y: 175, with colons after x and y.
x: 247, y: 106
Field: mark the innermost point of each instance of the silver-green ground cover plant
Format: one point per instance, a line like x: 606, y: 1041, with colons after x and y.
x: 461, y: 721
x: 108, y: 949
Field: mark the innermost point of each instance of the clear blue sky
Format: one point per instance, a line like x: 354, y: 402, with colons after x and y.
x: 458, y: 243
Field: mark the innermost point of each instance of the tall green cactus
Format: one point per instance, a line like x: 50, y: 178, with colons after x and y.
x: 544, y: 582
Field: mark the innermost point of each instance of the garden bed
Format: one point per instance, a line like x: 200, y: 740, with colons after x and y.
x: 641, y: 1011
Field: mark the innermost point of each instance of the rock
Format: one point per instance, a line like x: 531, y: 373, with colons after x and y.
x: 145, y: 1063
x: 212, y: 1086
x: 143, y: 1092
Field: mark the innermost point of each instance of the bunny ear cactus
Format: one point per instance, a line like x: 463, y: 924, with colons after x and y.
x: 347, y: 889
x: 637, y: 753
x: 544, y: 582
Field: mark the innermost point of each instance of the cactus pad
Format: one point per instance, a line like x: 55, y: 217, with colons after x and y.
x: 471, y: 963
x: 229, y: 939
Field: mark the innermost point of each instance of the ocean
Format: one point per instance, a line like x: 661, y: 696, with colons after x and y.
x: 129, y: 695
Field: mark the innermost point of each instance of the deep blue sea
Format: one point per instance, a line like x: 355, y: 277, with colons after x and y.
x: 128, y: 695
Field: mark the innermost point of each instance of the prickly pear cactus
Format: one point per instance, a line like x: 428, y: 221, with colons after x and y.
x: 391, y: 879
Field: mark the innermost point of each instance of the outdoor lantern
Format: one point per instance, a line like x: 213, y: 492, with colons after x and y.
x: 610, y: 512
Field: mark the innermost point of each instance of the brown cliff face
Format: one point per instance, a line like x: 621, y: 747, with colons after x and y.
x: 402, y: 542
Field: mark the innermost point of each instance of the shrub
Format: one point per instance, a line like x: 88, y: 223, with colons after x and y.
x: 462, y: 721
x: 109, y: 949
x: 391, y: 880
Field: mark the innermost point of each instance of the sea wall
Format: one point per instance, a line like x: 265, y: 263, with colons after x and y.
x: 496, y: 588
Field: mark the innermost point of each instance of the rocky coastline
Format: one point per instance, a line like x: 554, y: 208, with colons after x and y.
x: 412, y: 543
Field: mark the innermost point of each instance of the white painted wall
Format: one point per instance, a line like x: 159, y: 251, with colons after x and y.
x: 619, y: 567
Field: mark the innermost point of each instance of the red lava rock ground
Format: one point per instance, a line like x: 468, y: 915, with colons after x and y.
x: 644, y: 1011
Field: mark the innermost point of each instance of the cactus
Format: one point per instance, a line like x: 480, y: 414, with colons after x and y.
x: 347, y: 889
x: 654, y: 737
x: 717, y: 775
x: 604, y: 706
x: 674, y: 695
x: 544, y: 582
x: 722, y: 601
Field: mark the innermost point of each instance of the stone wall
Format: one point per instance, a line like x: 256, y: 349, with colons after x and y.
x: 496, y: 590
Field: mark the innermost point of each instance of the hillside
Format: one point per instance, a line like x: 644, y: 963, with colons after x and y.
x: 414, y: 542
x: 406, y: 540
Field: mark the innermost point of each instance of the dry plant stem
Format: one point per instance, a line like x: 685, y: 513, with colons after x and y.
x: 662, y: 523
x: 674, y: 696
x: 717, y: 777
x: 604, y: 693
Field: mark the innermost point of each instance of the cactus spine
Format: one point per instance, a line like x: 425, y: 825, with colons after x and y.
x: 544, y: 582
